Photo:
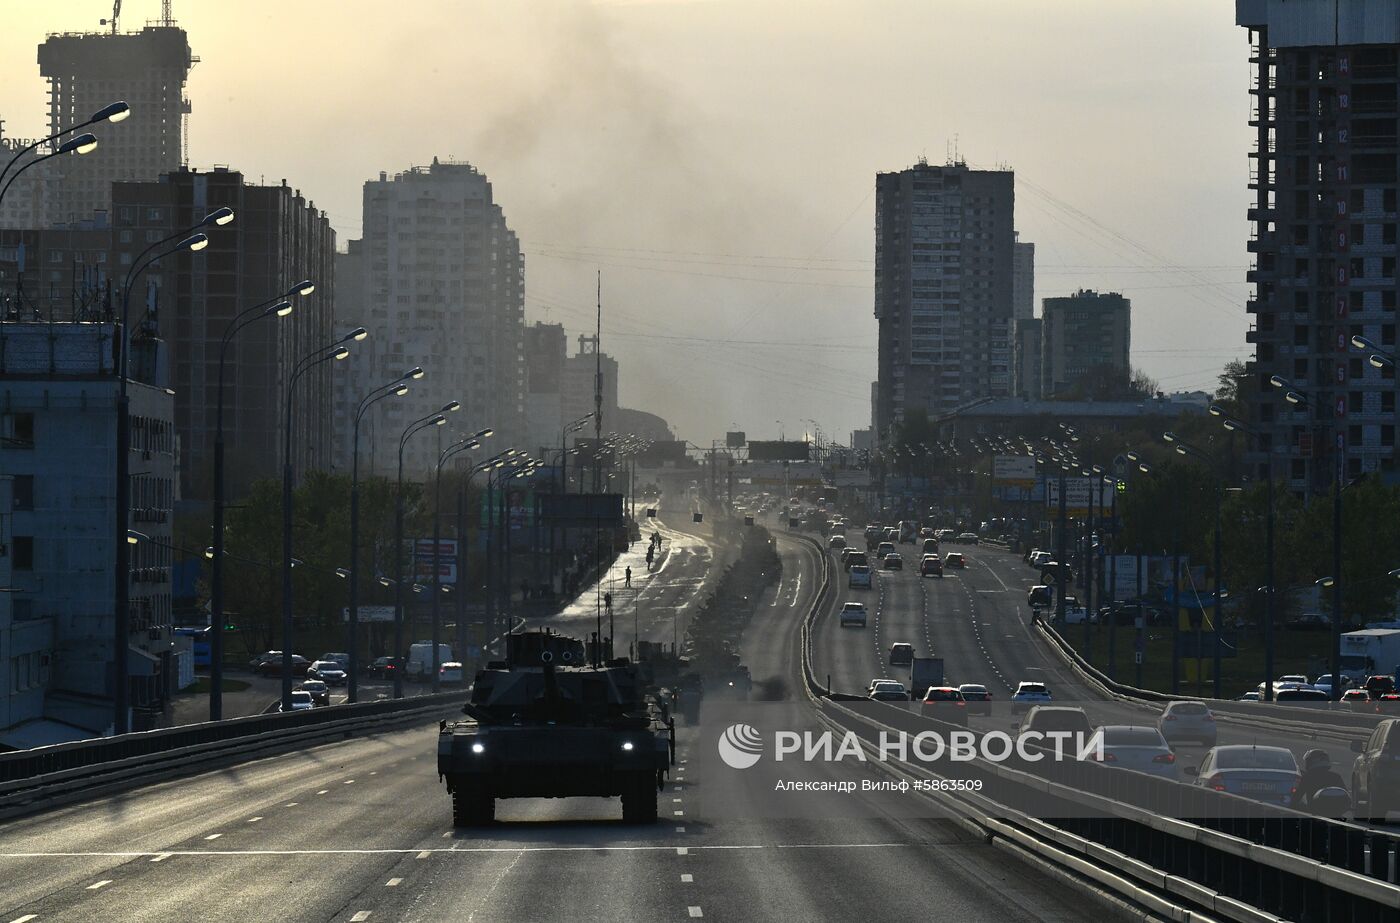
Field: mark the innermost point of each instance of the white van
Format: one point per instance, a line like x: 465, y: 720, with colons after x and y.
x: 420, y: 660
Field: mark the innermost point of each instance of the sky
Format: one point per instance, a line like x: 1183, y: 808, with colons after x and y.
x: 716, y: 160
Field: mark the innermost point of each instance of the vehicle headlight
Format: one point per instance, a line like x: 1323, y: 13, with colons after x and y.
x: 627, y: 745
x: 478, y: 748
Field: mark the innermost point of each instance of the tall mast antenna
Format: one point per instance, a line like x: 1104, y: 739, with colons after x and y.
x: 598, y: 391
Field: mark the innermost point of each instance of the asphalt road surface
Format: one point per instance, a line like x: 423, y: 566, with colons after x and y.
x: 361, y: 831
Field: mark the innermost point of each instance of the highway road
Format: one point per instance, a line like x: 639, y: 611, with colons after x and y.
x: 978, y: 621
x: 360, y: 831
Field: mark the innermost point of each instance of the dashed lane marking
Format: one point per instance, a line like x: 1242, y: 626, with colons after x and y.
x: 323, y: 791
x: 24, y: 919
x: 696, y: 911
x: 360, y: 917
x: 425, y: 853
x: 254, y: 820
x: 213, y: 836
x: 161, y: 858
x: 687, y: 879
x: 393, y: 882
x: 680, y: 830
x: 99, y: 884
x: 449, y: 850
x: 682, y: 850
x: 291, y: 804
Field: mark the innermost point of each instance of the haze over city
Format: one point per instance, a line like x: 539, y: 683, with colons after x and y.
x: 716, y: 161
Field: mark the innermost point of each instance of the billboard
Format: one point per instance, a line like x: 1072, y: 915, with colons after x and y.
x: 734, y: 440
x: 1018, y: 470
x: 581, y: 510
x: 446, y: 560
x: 776, y: 450
x: 1077, y: 491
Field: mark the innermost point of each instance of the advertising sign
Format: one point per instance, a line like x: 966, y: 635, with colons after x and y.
x: 446, y: 560
x: 370, y: 614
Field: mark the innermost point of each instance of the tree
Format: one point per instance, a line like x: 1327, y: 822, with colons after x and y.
x: 1233, y: 380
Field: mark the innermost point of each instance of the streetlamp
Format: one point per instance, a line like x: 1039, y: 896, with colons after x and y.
x: 82, y: 144
x: 112, y: 112
x: 437, y: 418
x: 494, y: 461
x: 122, y: 576
x: 280, y: 306
x: 334, y: 352
x: 1294, y: 397
x: 396, y: 388
x: 1237, y: 426
x: 464, y: 445
x: 1185, y: 449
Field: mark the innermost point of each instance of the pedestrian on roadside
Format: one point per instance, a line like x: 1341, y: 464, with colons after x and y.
x: 629, y: 576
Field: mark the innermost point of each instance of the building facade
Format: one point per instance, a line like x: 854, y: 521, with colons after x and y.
x: 1023, y: 280
x: 1084, y: 336
x: 546, y: 350
x: 58, y: 399
x: 442, y: 287
x: 580, y: 373
x: 1326, y: 99
x: 944, y: 288
x: 1027, y: 361
x: 277, y: 238
x: 86, y: 71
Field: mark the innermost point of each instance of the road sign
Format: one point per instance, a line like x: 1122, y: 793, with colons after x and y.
x: 1014, y: 469
x: 370, y: 614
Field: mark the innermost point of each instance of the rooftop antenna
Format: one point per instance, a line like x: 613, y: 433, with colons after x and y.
x: 116, y: 12
x: 598, y: 390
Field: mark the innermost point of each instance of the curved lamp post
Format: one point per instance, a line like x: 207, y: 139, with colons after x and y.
x: 464, y: 445
x: 336, y: 351
x: 281, y: 306
x: 112, y: 112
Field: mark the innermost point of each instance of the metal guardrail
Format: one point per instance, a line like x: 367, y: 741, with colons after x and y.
x: 1233, y: 856
x: 45, y: 777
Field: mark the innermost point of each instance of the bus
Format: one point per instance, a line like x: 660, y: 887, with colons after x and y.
x: 199, y: 636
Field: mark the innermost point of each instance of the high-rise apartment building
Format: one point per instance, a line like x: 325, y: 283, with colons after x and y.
x: 277, y: 239
x: 1326, y: 99
x: 546, y: 350
x: 580, y: 373
x: 86, y: 71
x: 442, y: 283
x: 1023, y: 279
x: 1085, y: 337
x: 1027, y: 360
x: 944, y: 273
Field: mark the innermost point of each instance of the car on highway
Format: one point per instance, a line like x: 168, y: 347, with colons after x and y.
x: 894, y: 561
x: 883, y: 549
x: 860, y: 578
x: 1267, y: 774
x: 945, y: 703
x: 1379, y: 685
x: 977, y: 697
x: 926, y: 532
x: 836, y: 541
x: 341, y: 658
x: 945, y: 535
x: 450, y: 673
x: 1041, y: 558
x: 1301, y: 695
x: 1356, y: 698
x: 930, y: 565
x: 891, y: 535
x: 1375, y: 773
x: 901, y: 654
x: 1040, y: 597
x: 384, y: 667
x: 967, y: 538
x: 930, y: 546
x: 1141, y: 749
x: 1249, y: 697
x: 1028, y: 694
x: 888, y: 690
x: 301, y: 701
x: 955, y: 559
x: 1181, y: 721
x: 1324, y: 682
x: 1045, y: 719
x: 854, y: 613
x: 846, y: 553
x: 328, y: 672
x: 856, y: 558
x: 320, y: 692
x: 263, y: 658
x: 274, y: 667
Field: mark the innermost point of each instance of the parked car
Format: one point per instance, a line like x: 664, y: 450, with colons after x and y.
x: 1027, y: 695
x: 301, y: 701
x: 320, y: 692
x: 1141, y: 749
x: 263, y: 658
x: 901, y: 654
x: 1268, y: 774
x: 894, y: 561
x: 977, y: 697
x: 955, y: 559
x: 887, y: 690
x: 1375, y: 774
x: 854, y: 613
x: 1187, y: 721
x: 860, y: 578
x: 328, y: 671
x: 945, y: 703
x: 930, y: 566
x: 274, y: 667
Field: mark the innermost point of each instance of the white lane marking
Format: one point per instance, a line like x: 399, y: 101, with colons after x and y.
x: 213, y: 836
x: 425, y: 853
x: 374, y: 772
x: 360, y: 917
x: 675, y: 801
x: 161, y: 858
x: 393, y: 882
x: 678, y: 813
x: 687, y: 879
x: 447, y: 834
x: 682, y: 850
x: 696, y: 911
x: 348, y: 782
x: 291, y: 805
x: 24, y: 919
x: 323, y: 791
x: 254, y: 820
x: 680, y: 830
x: 997, y: 576
x: 100, y: 884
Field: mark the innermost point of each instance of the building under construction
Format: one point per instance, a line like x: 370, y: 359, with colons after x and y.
x: 86, y: 71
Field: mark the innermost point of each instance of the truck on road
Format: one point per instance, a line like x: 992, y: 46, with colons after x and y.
x: 923, y: 673
x: 1370, y: 651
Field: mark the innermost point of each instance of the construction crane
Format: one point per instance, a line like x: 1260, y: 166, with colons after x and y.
x: 116, y: 12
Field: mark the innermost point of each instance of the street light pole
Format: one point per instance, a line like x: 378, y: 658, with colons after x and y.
x: 465, y: 445
x: 280, y: 306
x: 1184, y: 449
x: 122, y: 569
x: 395, y: 388
x: 334, y: 352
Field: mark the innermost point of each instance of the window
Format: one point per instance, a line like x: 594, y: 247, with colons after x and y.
x: 24, y: 552
x: 17, y: 430
x: 23, y: 491
x: 153, y: 214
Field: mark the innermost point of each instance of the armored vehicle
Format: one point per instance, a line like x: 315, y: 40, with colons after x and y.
x: 546, y: 723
